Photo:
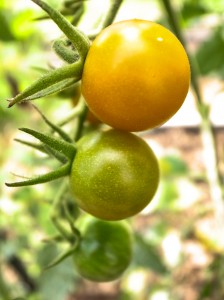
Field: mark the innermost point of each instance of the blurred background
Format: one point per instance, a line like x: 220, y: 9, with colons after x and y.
x: 179, y: 244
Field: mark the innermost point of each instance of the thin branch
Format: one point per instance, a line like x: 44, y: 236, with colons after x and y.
x: 207, y: 132
x: 55, y: 128
x: 112, y: 12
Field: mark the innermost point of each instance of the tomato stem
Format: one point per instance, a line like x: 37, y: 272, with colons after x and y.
x: 112, y: 12
x: 75, y: 112
x: 54, y: 127
x: 207, y: 132
x: 115, y: 5
x: 57, y: 206
x: 81, y: 120
x: 173, y: 20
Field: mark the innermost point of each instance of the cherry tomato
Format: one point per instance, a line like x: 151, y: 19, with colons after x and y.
x: 136, y: 75
x: 105, y: 249
x: 114, y: 174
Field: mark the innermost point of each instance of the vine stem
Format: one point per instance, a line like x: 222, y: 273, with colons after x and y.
x: 55, y: 216
x: 112, y: 12
x: 206, y: 129
x: 115, y: 5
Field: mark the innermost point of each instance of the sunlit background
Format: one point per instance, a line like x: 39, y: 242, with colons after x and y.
x: 179, y: 241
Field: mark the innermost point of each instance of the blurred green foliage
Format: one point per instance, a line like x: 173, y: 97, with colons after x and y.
x: 24, y: 213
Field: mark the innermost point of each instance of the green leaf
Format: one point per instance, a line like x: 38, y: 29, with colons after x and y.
x: 168, y: 196
x: 147, y: 256
x: 192, y: 9
x: 55, y: 283
x: 171, y: 166
x: 5, y: 31
x: 210, y: 55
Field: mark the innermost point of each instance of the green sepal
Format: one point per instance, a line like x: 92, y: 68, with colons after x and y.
x: 55, y: 154
x: 36, y: 146
x: 54, y: 88
x: 44, y: 149
x: 63, y: 50
x: 51, y: 82
x: 78, y: 38
x: 60, y: 172
x: 75, y: 10
x: 54, y: 127
x: 65, y: 148
x: 61, y: 257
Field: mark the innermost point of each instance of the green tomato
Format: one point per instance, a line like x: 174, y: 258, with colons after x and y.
x: 114, y: 174
x: 105, y: 249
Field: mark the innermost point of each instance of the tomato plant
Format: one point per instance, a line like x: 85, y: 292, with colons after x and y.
x: 104, y: 251
x: 136, y: 75
x: 114, y: 174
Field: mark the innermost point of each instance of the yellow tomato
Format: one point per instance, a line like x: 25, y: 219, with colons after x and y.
x: 136, y: 75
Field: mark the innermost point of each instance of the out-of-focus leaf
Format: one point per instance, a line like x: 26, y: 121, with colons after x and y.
x: 147, y: 256
x: 216, y: 6
x: 22, y: 24
x: 6, y: 34
x: 210, y: 55
x: 171, y: 166
x: 192, y: 9
x: 168, y: 195
x: 213, y: 284
x: 57, y: 282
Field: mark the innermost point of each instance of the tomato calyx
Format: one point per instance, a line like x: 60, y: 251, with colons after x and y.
x: 63, y: 149
x: 63, y: 255
x: 56, y: 145
x: 72, y: 49
x: 64, y: 77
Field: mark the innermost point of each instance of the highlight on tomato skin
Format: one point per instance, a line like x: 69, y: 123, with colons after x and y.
x: 136, y: 75
x: 105, y: 249
x: 114, y: 175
